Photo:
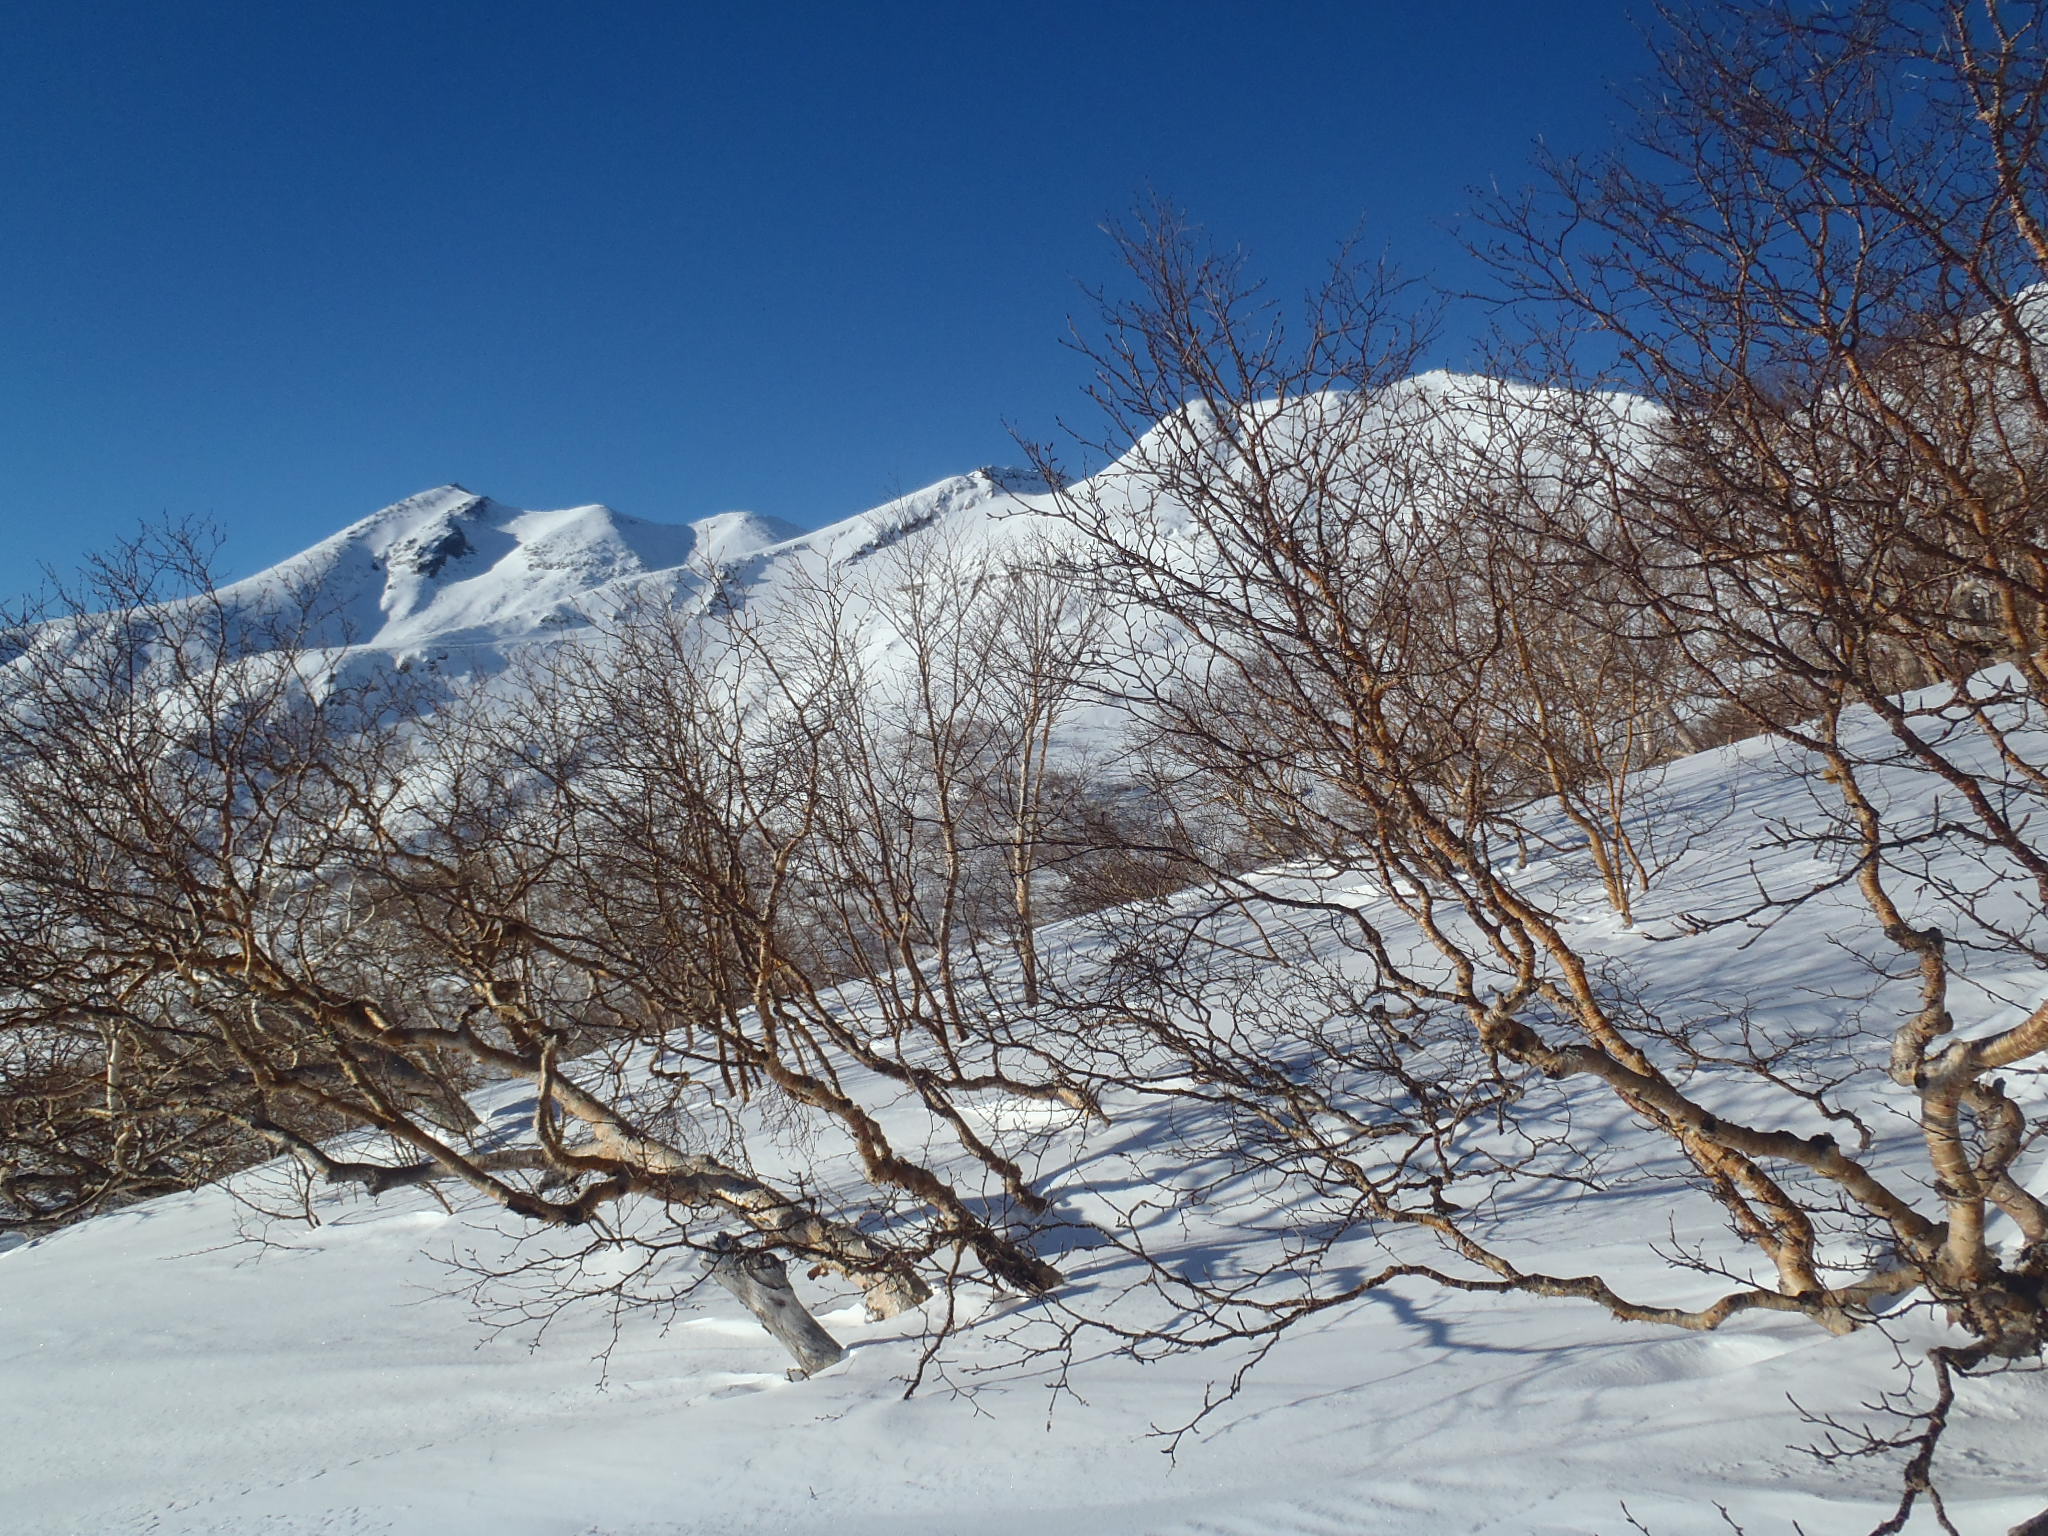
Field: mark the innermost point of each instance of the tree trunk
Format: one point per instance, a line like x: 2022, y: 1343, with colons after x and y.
x: 761, y: 1282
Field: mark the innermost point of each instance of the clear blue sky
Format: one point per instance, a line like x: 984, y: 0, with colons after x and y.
x: 277, y: 265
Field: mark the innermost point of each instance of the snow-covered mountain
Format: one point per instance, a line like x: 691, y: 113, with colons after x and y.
x: 461, y: 581
x: 450, y: 568
x: 455, y: 584
x: 464, y: 581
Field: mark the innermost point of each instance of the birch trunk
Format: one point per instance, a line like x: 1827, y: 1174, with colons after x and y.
x: 761, y: 1282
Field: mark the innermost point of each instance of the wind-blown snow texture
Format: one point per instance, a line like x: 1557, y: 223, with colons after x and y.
x: 191, y: 1366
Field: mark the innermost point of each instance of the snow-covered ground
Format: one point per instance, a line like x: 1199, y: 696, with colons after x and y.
x: 192, y: 1366
x: 197, y: 1365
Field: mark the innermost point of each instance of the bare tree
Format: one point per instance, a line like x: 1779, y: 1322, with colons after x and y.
x: 1418, y: 622
x: 737, y: 867
x: 245, y: 902
x: 1824, y: 253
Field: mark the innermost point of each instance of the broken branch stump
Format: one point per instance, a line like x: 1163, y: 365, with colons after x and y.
x: 761, y: 1282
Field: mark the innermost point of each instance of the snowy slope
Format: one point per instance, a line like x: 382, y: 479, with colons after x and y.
x: 189, y: 1366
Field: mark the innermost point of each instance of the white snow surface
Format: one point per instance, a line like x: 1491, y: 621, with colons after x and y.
x: 191, y: 1366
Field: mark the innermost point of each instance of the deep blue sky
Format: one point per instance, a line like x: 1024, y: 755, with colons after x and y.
x: 277, y: 265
